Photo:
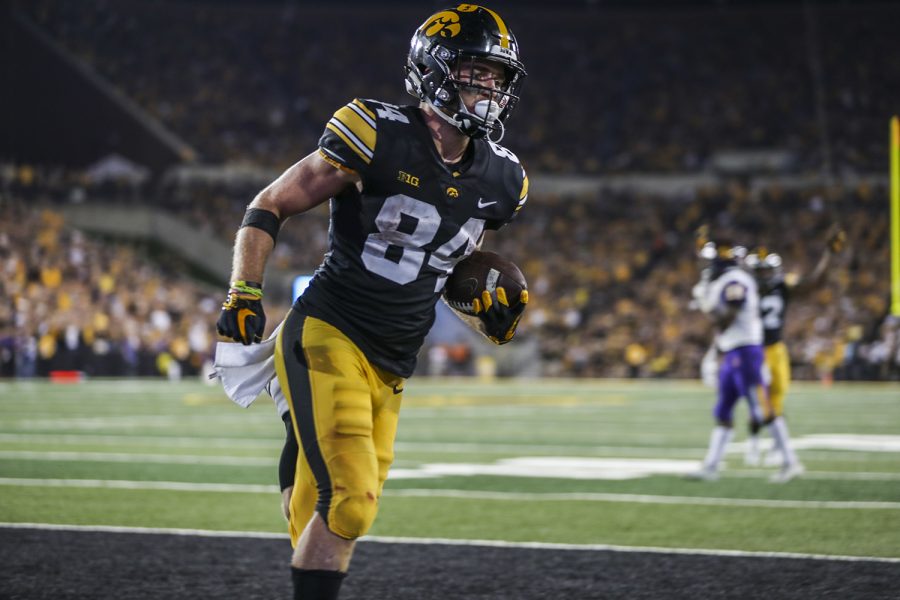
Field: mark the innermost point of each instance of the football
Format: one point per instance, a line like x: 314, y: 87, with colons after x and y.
x: 478, y: 272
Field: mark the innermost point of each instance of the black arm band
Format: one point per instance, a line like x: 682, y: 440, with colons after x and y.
x: 262, y: 219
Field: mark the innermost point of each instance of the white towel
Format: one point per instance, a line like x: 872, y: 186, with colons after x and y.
x: 245, y: 371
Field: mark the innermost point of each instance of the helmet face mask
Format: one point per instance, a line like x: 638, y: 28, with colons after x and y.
x: 767, y: 267
x: 448, y: 56
x: 718, y: 257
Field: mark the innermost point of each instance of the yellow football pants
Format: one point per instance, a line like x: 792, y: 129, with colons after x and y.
x: 344, y: 412
x: 779, y: 364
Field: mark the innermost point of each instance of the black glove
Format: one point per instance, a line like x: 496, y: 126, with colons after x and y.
x: 242, y: 318
x: 497, y: 316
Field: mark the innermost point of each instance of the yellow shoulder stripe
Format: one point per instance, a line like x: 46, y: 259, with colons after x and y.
x: 352, y: 141
x: 524, y: 191
x: 358, y: 124
x: 364, y: 108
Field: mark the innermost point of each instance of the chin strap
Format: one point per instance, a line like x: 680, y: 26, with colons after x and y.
x: 464, y: 123
x: 502, y: 132
x: 440, y: 112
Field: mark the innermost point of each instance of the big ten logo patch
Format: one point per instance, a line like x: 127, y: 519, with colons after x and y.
x: 407, y: 178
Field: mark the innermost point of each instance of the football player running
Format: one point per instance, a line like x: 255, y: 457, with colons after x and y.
x: 411, y: 191
x: 776, y: 290
x: 729, y: 296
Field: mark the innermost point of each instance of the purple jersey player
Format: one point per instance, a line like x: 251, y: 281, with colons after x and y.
x: 729, y: 295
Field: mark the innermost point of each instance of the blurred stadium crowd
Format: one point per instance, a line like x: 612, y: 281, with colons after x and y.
x: 611, y: 270
x: 611, y: 279
x: 608, y: 91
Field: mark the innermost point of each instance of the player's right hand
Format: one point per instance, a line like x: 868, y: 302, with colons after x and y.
x: 497, y: 316
x: 242, y: 318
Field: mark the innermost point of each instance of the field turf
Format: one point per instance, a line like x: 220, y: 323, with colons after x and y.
x: 514, y: 489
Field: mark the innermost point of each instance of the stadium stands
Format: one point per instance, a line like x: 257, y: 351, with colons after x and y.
x: 611, y: 270
x: 620, y: 282
x: 640, y: 91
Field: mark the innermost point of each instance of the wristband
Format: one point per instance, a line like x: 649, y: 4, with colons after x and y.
x: 247, y: 287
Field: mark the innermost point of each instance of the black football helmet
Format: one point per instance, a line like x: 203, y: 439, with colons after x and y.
x: 446, y: 40
x: 767, y: 267
x: 717, y: 257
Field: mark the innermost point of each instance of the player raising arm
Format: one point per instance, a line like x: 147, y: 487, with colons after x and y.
x: 776, y: 290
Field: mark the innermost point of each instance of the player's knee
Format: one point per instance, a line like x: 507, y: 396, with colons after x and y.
x: 286, y: 501
x: 353, y: 513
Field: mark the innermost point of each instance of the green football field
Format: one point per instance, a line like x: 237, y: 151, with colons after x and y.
x: 562, y: 461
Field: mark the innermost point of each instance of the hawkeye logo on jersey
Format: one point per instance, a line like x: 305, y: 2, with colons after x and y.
x: 453, y: 192
x: 407, y: 178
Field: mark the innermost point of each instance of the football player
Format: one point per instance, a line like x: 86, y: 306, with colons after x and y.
x: 411, y: 191
x: 729, y: 296
x: 776, y: 290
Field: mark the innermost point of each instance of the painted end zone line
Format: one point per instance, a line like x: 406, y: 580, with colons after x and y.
x: 181, y: 486
x: 456, y: 542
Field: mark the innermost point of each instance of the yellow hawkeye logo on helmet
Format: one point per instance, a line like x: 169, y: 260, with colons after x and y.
x: 445, y: 23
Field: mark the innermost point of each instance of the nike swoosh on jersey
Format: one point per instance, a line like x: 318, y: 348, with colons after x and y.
x: 482, y: 203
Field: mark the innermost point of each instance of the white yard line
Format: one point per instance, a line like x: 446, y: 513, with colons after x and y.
x: 86, y: 439
x: 639, y: 499
x: 120, y: 484
x: 823, y: 475
x: 179, y: 486
x: 138, y: 422
x: 174, y: 459
x: 265, y: 461
x: 47, y: 439
x: 455, y: 542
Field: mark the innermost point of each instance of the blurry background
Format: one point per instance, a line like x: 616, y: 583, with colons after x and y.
x: 134, y: 133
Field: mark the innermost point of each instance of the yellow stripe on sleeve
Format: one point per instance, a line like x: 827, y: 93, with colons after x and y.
x: 364, y: 108
x: 361, y: 128
x: 331, y: 126
x: 334, y: 163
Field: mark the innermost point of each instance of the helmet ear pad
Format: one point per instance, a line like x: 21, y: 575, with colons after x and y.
x: 437, y: 80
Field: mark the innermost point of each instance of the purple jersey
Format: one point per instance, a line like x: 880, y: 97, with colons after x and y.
x: 740, y: 376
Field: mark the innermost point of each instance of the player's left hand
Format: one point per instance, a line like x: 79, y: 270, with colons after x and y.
x: 497, y: 316
x: 242, y: 318
x: 837, y: 239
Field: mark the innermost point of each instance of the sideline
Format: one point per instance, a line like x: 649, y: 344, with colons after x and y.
x: 461, y: 542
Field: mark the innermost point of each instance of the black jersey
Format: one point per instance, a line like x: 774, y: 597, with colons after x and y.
x: 772, y: 308
x: 393, y: 243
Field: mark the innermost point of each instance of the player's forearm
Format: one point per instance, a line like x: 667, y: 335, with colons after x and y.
x: 815, y: 278
x: 252, y: 248
x: 818, y: 273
